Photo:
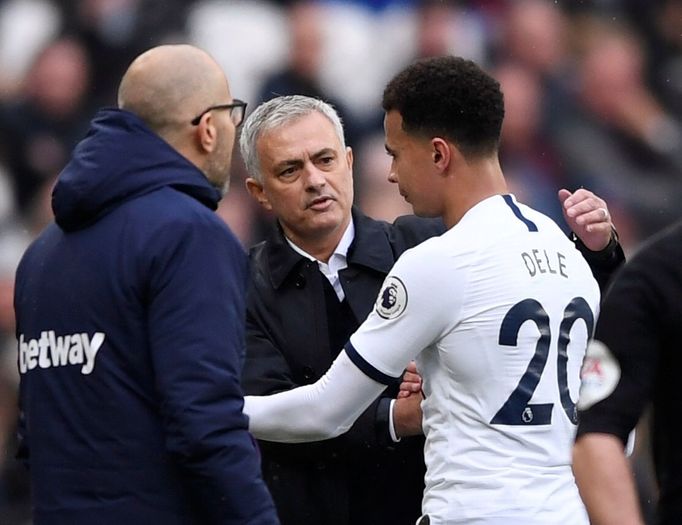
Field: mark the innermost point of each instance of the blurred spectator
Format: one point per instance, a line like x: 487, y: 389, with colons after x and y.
x: 534, y: 34
x: 621, y: 142
x: 247, y: 38
x: 530, y: 163
x: 18, y: 43
x: 449, y: 27
x: 39, y: 130
x: 374, y: 196
x: 115, y: 31
x: 660, y: 23
x: 375, y: 5
x: 301, y: 72
x: 244, y: 216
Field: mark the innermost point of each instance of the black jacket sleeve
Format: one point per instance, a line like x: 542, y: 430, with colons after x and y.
x: 638, y: 323
x: 604, y: 263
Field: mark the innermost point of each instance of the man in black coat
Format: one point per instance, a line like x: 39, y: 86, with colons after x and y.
x: 313, y: 281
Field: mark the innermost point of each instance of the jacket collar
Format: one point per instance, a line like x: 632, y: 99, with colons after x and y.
x: 370, y: 248
x: 119, y: 159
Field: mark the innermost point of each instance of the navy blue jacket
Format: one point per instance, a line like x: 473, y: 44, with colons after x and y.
x: 130, y: 320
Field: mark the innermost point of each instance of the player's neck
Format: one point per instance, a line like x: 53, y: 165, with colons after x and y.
x: 480, y: 180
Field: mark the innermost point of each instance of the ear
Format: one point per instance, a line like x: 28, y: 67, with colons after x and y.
x: 255, y: 188
x: 349, y: 159
x: 207, y: 133
x: 441, y: 154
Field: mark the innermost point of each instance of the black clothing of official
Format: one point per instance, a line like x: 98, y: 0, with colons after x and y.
x: 639, y: 320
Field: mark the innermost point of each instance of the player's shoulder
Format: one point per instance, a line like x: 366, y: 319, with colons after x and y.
x: 428, y: 252
x: 435, y: 267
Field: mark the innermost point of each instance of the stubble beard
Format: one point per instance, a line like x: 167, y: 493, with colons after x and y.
x: 218, y: 170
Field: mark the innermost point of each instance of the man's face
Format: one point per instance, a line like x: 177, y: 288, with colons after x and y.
x: 220, y: 160
x: 218, y: 168
x: 411, y: 167
x: 307, y: 178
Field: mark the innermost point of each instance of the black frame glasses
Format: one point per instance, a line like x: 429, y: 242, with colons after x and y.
x: 237, y: 116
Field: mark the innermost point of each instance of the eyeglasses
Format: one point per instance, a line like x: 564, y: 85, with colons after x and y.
x: 237, y: 112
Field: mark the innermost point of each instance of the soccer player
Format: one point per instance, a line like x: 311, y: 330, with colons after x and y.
x: 497, y: 312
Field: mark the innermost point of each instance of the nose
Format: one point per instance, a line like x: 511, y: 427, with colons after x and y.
x: 392, y: 176
x: 315, y: 178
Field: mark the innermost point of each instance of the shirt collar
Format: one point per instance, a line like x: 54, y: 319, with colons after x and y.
x: 340, y: 250
x: 370, y: 247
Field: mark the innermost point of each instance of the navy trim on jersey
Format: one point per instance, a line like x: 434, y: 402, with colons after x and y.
x: 367, y: 368
x: 530, y: 224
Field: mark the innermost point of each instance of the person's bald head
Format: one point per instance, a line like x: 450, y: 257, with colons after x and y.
x: 169, y: 85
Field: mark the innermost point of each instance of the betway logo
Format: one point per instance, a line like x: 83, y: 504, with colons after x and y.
x: 51, y: 350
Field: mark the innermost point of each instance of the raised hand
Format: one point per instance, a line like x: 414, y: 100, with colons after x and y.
x: 588, y: 217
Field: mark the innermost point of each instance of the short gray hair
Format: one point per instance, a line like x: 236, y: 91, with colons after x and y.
x: 278, y: 112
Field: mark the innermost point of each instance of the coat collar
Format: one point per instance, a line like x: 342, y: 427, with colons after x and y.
x: 370, y: 248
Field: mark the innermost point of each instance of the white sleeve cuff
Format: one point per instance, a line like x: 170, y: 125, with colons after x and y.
x: 391, y: 426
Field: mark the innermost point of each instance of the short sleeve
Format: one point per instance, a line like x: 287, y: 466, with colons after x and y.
x: 419, y: 302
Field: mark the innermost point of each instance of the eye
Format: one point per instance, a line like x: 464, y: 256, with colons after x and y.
x: 287, y: 172
x: 326, y: 161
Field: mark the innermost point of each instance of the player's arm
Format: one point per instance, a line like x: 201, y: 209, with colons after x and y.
x: 605, y: 480
x: 375, y: 356
x: 593, y: 232
x: 267, y: 371
x: 314, y: 412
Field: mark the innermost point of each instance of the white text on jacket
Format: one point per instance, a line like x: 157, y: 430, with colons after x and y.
x: 51, y: 350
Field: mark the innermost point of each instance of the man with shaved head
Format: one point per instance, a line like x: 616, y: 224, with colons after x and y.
x: 130, y: 316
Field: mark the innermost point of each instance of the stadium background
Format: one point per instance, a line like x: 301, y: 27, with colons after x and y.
x: 593, y: 92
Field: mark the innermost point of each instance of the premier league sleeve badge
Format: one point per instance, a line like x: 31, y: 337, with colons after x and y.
x: 392, y: 300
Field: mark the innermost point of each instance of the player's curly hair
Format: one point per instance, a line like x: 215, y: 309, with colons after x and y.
x: 449, y: 97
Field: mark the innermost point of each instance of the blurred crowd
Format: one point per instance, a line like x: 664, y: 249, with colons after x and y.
x: 593, y: 93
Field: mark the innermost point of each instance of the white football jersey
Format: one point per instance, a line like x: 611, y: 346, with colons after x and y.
x: 498, y: 311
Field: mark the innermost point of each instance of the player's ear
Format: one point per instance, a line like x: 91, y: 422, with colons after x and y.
x: 440, y: 153
x: 256, y: 190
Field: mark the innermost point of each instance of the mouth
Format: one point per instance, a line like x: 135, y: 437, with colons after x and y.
x: 321, y: 203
